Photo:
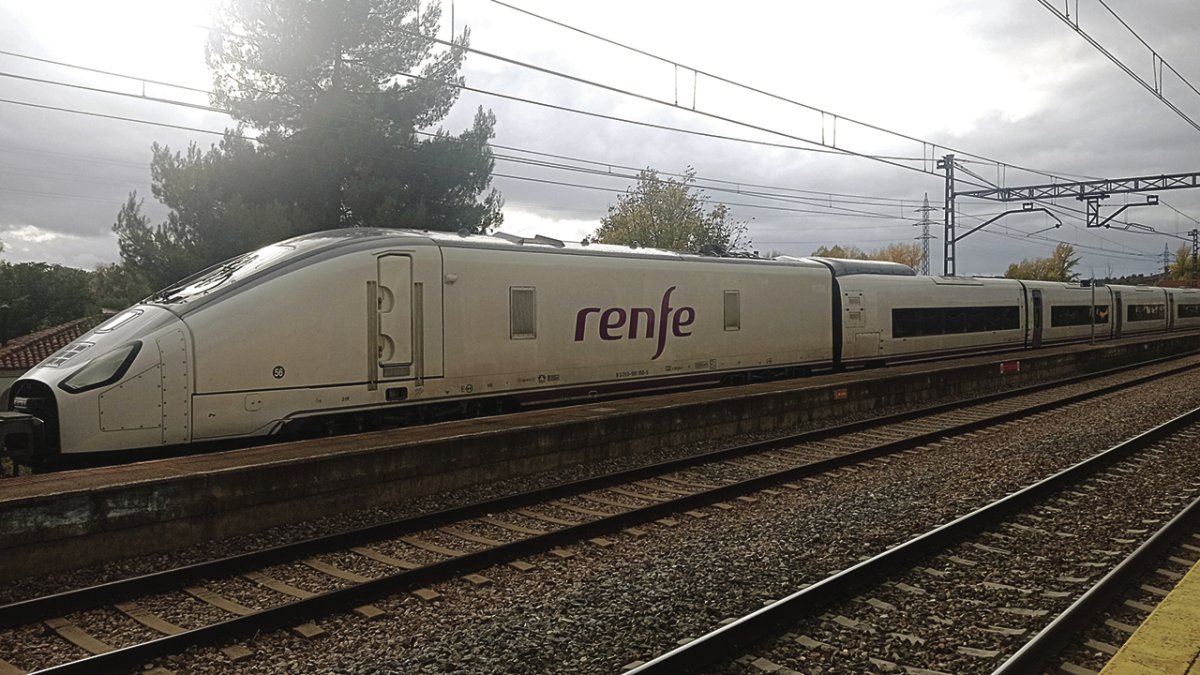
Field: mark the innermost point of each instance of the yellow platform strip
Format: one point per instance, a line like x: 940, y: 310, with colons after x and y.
x: 1168, y: 641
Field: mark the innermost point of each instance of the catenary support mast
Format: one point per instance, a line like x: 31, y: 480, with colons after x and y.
x: 1091, y: 192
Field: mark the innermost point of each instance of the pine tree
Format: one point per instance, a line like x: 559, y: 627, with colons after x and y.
x: 336, y: 96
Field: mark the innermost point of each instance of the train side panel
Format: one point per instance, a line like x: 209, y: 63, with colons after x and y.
x: 522, y: 323
x: 1068, y: 312
x: 1139, y: 309
x: 894, y: 318
x: 456, y: 322
x: 1186, y: 306
x: 354, y: 332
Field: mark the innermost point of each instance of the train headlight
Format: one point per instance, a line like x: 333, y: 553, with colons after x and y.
x: 103, y: 370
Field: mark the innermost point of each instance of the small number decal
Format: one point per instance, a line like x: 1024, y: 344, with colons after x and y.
x: 278, y: 372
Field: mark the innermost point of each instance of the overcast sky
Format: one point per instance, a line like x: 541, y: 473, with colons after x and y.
x: 1003, y: 81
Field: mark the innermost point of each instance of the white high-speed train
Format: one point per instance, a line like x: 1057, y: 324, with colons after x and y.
x: 336, y: 328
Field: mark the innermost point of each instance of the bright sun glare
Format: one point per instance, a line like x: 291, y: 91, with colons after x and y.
x: 150, y: 38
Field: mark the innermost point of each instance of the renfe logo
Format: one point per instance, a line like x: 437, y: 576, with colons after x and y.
x: 614, y: 319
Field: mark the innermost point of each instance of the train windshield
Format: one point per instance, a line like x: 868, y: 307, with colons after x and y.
x: 225, y: 274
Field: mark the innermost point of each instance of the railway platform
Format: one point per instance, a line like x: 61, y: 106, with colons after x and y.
x: 1168, y: 641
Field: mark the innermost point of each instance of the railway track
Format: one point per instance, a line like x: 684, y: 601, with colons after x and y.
x: 974, y: 595
x: 1085, y: 635
x: 422, y: 550
x: 1082, y: 639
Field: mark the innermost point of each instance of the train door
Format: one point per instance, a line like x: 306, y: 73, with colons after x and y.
x: 1037, y: 318
x: 860, y: 327
x: 405, y: 328
x: 392, y: 353
x: 1170, y: 310
x: 1118, y: 315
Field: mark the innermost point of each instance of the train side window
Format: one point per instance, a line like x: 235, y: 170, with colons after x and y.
x: 1188, y: 311
x: 922, y: 321
x: 733, y: 310
x: 522, y: 304
x: 1145, y: 312
x: 1077, y: 315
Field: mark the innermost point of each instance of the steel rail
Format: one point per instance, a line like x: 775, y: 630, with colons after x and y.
x: 299, y: 610
x: 723, y: 642
x: 1051, y: 639
x: 26, y: 611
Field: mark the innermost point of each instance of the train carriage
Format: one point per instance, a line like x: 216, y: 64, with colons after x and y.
x: 1066, y: 312
x: 648, y: 317
x: 897, y: 318
x: 1139, y: 309
x: 1185, y: 306
x: 351, y: 322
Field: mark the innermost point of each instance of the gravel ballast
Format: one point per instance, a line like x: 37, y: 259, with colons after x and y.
x: 609, y: 606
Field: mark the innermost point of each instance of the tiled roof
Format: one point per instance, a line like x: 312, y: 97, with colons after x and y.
x: 27, y: 351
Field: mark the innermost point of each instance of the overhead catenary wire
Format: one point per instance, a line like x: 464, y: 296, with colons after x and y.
x: 502, y: 158
x: 821, y: 145
x: 613, y: 118
x: 818, y: 146
x: 1067, y: 217
x: 214, y: 109
x: 493, y: 145
x: 509, y: 176
x: 1094, y: 250
x: 495, y: 174
x: 1157, y: 57
x: 1000, y: 165
x: 1155, y: 90
x: 830, y: 211
x: 778, y: 97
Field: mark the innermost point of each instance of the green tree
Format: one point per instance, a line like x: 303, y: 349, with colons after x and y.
x: 905, y: 254
x: 230, y: 199
x: 328, y: 81
x: 1184, y: 267
x: 670, y: 214
x: 114, y: 286
x: 1058, y: 267
x: 338, y: 143
x: 839, y: 251
x: 40, y: 295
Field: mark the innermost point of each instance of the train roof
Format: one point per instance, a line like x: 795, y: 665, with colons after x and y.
x: 844, y: 266
x: 509, y: 242
x: 332, y: 242
x: 274, y: 259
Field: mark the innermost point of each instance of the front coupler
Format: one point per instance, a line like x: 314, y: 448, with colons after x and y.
x: 22, y: 436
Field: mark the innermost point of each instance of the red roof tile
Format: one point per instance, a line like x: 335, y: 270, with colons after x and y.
x: 27, y: 351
